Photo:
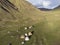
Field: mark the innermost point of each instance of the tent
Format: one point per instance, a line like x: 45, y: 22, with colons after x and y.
x: 48, y: 4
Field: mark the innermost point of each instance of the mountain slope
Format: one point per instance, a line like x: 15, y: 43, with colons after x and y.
x: 20, y: 13
x: 16, y: 14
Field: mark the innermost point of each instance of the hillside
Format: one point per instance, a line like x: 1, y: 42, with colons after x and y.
x: 19, y: 15
x: 16, y: 14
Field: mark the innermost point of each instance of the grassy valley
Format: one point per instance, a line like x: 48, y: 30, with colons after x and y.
x: 22, y: 14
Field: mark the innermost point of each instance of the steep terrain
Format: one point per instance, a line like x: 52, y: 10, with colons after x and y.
x: 16, y: 14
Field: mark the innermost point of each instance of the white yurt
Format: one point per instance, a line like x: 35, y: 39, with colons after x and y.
x: 48, y: 4
x: 26, y: 38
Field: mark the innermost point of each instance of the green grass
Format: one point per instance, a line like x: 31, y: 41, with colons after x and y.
x: 46, y: 24
x: 40, y: 36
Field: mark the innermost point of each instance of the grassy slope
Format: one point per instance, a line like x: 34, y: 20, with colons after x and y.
x: 47, y: 24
